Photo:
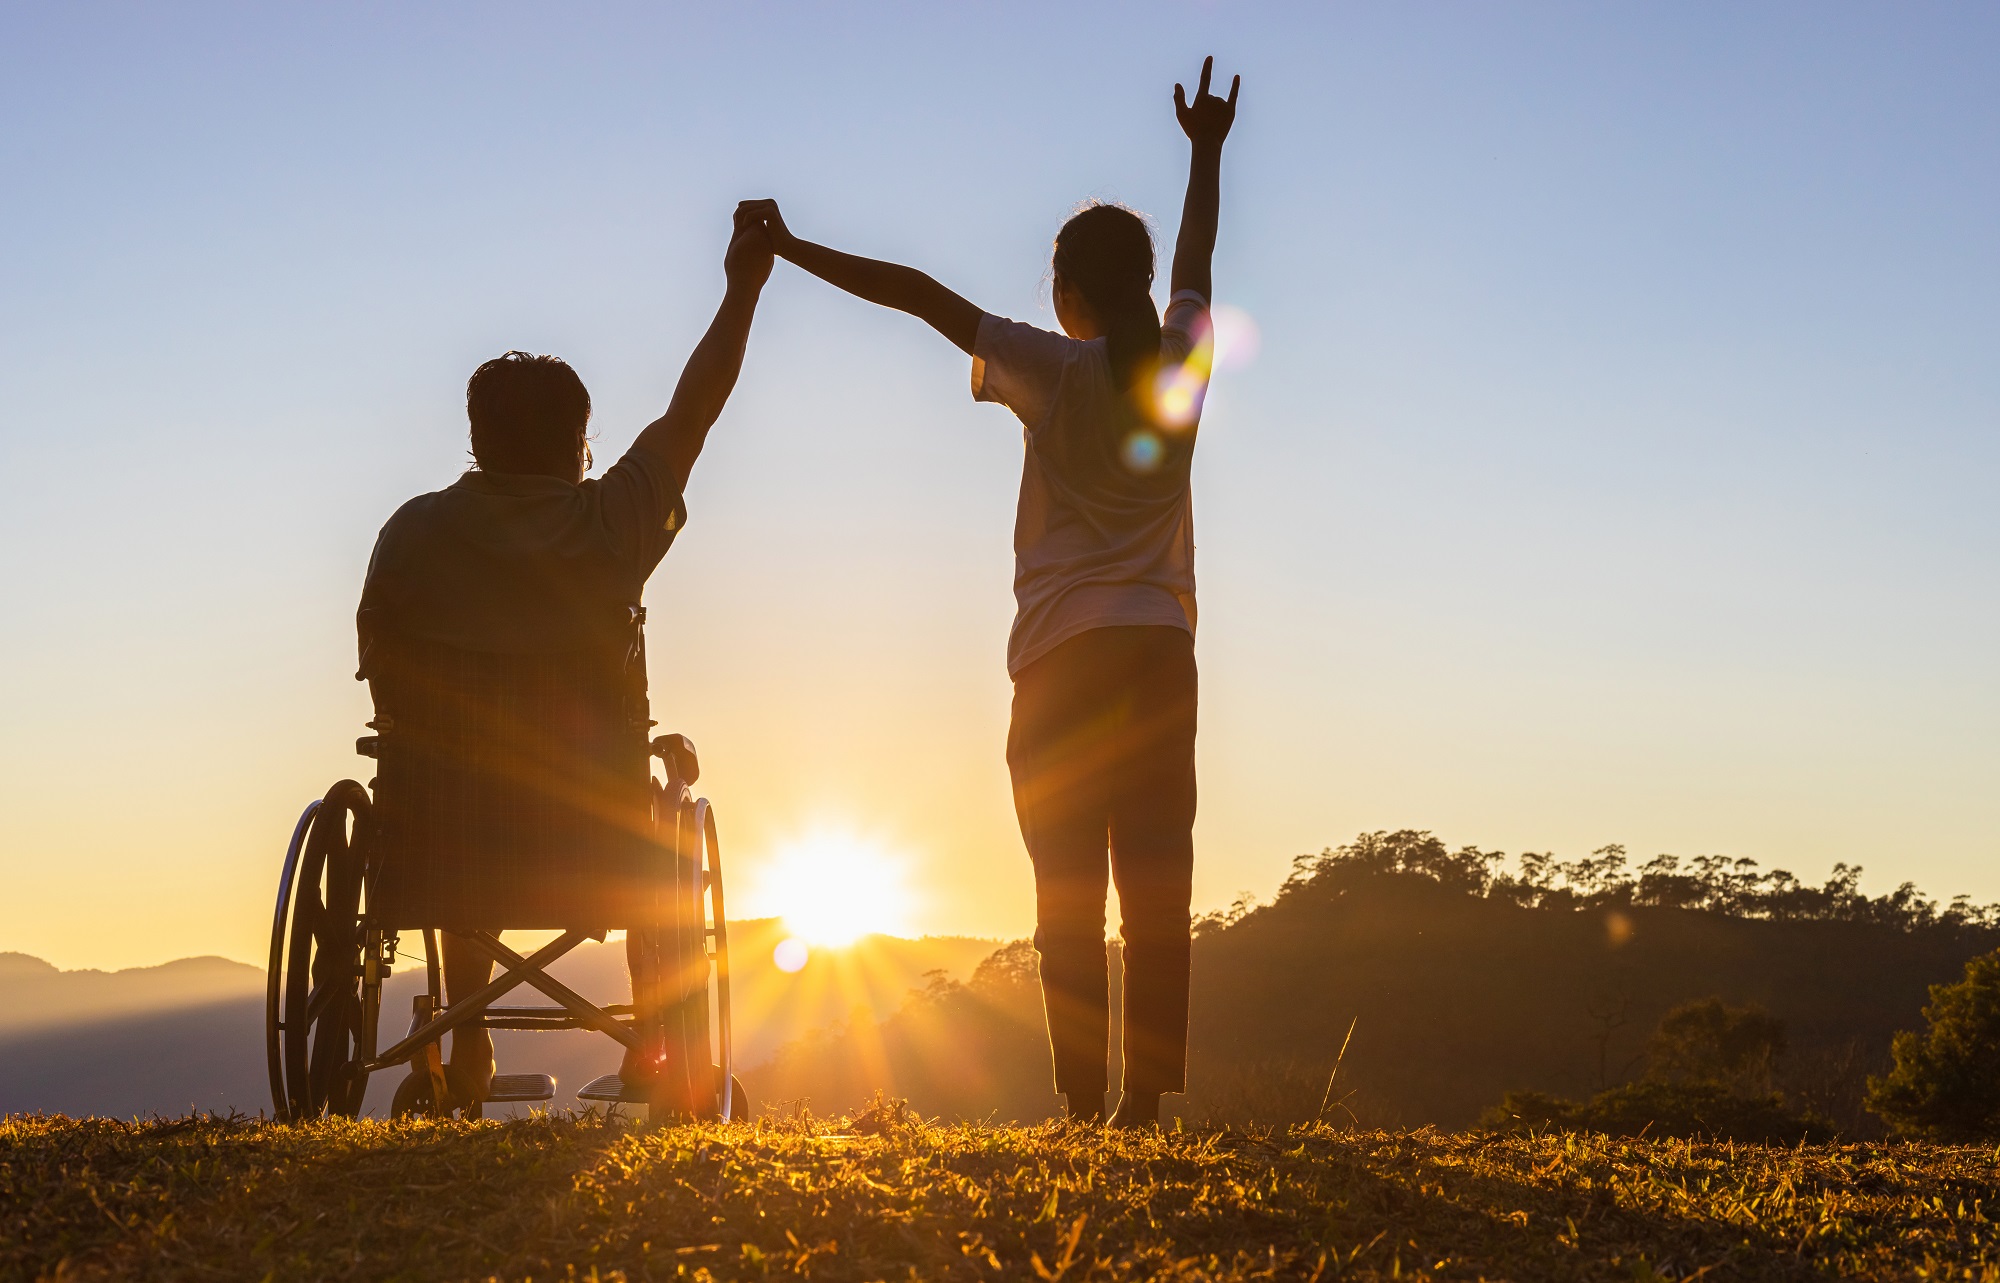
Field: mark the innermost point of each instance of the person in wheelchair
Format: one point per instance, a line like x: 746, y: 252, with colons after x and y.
x: 500, y: 629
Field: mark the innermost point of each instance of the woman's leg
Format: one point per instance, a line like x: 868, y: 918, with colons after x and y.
x: 1054, y: 754
x: 1152, y: 858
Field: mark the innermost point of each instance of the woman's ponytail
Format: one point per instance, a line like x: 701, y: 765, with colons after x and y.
x: 1106, y: 253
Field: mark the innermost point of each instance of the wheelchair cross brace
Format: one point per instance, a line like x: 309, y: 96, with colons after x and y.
x: 575, y: 1011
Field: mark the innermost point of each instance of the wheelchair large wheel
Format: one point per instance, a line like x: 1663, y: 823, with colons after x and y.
x: 732, y: 1102
x: 314, y: 1013
x: 734, y: 1097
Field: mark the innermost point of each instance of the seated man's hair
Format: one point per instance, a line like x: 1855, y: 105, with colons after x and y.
x: 528, y: 414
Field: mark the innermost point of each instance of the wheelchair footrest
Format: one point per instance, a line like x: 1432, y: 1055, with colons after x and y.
x: 610, y: 1087
x: 511, y: 1088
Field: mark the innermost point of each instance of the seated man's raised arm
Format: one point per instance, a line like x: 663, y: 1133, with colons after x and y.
x: 676, y: 437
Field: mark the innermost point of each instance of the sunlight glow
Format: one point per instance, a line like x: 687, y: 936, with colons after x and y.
x: 832, y: 889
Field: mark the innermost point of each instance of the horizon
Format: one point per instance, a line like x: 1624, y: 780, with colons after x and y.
x: 404, y: 964
x: 1508, y: 867
x: 1618, y: 465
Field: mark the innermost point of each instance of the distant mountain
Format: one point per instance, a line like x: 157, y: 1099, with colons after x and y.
x: 144, y: 1040
x: 37, y: 996
x: 190, y: 1034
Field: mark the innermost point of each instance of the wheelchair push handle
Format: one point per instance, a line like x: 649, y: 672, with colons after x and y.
x: 677, y: 752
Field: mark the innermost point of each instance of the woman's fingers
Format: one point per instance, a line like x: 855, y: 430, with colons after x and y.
x: 1234, y: 85
x: 1207, y: 66
x: 765, y: 213
x: 1180, y: 97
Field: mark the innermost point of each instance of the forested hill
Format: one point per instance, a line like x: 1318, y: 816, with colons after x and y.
x: 1460, y: 982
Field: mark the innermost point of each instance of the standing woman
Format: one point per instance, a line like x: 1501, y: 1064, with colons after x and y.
x: 1101, y: 749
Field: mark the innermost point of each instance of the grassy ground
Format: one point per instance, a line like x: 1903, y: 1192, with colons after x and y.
x: 561, y: 1198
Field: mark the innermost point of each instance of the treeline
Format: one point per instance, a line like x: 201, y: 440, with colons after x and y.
x: 1605, y: 879
x: 1463, y: 976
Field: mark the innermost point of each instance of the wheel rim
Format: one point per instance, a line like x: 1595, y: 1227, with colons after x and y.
x: 274, y: 973
x: 705, y: 833
x: 320, y: 1017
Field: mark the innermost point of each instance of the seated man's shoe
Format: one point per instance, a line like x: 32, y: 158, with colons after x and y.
x: 662, y: 1081
x: 465, y: 1090
x: 638, y: 1066
x: 468, y: 1086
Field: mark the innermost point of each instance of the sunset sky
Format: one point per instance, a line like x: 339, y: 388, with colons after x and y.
x: 1621, y: 462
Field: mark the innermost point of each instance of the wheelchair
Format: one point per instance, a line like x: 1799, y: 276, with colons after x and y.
x: 511, y: 792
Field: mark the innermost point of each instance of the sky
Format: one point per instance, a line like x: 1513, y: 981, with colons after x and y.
x: 1619, y: 463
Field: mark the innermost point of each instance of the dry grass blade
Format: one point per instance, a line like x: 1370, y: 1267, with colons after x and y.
x: 1328, y: 1100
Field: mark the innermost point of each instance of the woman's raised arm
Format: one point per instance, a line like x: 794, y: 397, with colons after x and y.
x: 1206, y: 122
x: 889, y: 284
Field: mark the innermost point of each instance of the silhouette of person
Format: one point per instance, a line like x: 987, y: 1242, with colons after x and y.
x: 1101, y: 749
x: 524, y: 555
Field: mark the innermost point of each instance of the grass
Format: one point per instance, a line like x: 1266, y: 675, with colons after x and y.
x: 885, y: 1197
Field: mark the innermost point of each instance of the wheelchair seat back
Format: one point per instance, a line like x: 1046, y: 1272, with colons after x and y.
x: 512, y: 790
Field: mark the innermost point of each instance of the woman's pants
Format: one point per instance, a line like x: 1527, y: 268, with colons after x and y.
x: 1102, y: 755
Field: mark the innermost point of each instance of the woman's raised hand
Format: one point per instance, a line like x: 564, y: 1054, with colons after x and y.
x: 766, y: 213
x: 1208, y: 118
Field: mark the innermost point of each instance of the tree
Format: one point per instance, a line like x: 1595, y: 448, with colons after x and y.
x: 1708, y: 1074
x: 1710, y: 1041
x: 1946, y: 1082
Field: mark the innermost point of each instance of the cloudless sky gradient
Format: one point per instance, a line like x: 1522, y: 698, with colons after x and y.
x: 1620, y: 463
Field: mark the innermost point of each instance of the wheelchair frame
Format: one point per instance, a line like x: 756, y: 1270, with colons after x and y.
x: 329, y: 961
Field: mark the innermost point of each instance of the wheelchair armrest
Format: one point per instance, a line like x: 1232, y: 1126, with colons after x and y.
x: 677, y: 751
x: 371, y: 745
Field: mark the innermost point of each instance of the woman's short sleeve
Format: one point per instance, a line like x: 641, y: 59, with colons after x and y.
x: 1018, y: 366
x: 1184, y: 325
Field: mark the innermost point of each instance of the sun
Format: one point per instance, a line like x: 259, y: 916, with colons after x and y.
x: 833, y: 888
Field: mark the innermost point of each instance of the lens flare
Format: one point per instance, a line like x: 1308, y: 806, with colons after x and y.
x: 1236, y: 338
x: 1142, y: 452
x: 791, y: 955
x: 1178, y: 390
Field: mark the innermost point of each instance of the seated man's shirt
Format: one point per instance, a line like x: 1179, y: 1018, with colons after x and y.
x: 514, y: 563
x: 512, y: 785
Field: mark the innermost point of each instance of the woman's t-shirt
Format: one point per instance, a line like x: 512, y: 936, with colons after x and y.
x: 1104, y: 535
